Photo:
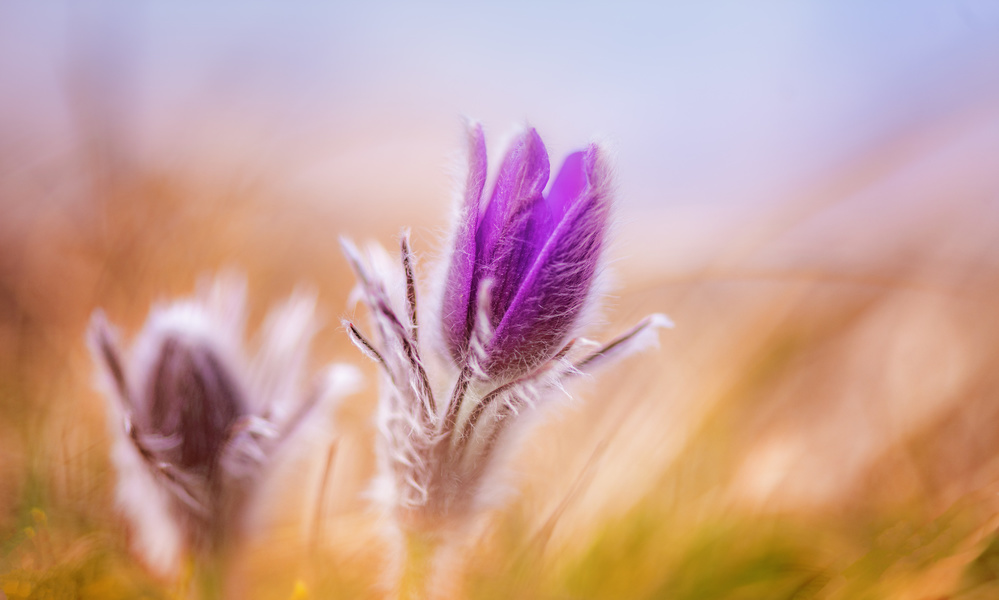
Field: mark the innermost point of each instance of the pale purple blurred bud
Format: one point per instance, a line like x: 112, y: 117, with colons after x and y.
x: 196, y: 423
x: 193, y: 398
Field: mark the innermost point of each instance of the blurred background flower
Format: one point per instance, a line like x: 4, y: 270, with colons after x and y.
x: 809, y: 190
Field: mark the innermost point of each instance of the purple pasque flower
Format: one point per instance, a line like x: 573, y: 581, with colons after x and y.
x: 196, y: 422
x: 523, y: 263
x: 514, y: 290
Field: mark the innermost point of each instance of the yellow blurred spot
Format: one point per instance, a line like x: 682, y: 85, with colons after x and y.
x: 39, y: 516
x: 183, y: 584
x: 17, y: 589
x: 30, y: 532
x: 300, y: 592
x: 102, y: 587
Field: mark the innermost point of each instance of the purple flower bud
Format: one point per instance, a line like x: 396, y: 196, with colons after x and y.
x: 522, y: 266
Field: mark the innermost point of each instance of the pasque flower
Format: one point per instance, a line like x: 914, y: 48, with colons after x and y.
x: 196, y: 423
x: 523, y: 263
x: 513, y: 298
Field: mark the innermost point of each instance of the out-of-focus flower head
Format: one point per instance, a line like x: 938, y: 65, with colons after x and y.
x: 519, y: 276
x: 195, y: 421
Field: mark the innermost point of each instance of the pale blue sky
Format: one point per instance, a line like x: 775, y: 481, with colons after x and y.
x: 703, y: 101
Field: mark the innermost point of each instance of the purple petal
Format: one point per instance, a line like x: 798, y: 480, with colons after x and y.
x: 508, y: 237
x: 568, y: 185
x: 567, y: 188
x: 458, y: 301
x: 544, y: 311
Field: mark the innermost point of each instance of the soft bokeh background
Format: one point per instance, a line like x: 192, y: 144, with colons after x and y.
x: 810, y: 190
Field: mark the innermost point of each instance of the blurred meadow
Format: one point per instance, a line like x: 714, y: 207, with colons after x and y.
x: 809, y: 190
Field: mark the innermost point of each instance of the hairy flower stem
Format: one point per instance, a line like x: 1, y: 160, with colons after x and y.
x: 457, y: 397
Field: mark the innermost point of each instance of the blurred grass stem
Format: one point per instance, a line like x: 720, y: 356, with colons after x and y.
x: 419, y: 568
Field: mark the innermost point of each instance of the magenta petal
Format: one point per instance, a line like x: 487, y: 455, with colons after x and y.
x: 521, y: 180
x: 554, y: 291
x: 568, y: 185
x: 565, y: 190
x: 507, y: 241
x: 458, y: 301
